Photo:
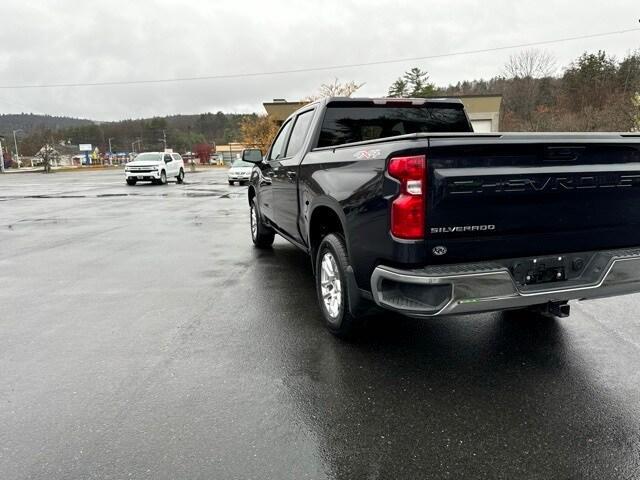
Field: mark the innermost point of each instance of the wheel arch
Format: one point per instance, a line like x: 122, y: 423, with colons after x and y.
x: 325, y: 217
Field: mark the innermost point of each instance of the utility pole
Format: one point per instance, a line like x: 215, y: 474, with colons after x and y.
x: 1, y: 156
x: 15, y: 143
x: 164, y: 139
x: 110, y: 152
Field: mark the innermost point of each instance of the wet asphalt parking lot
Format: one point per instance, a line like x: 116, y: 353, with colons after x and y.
x: 142, y: 336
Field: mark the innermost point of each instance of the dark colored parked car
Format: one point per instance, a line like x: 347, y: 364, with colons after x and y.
x: 400, y: 204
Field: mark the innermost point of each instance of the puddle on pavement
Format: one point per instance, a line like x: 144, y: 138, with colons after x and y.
x: 43, y: 221
x: 184, y: 193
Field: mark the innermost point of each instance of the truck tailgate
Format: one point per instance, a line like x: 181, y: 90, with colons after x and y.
x: 516, y: 195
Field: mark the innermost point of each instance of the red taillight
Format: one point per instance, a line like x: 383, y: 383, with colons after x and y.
x: 408, y: 209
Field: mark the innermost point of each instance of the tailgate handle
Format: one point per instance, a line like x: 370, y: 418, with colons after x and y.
x: 562, y: 154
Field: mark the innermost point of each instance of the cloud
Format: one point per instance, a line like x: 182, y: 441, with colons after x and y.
x: 79, y: 41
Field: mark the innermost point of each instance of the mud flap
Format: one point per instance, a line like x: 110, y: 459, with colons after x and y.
x: 359, y: 305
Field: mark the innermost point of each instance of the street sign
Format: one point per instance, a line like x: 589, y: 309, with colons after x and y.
x: 85, y: 147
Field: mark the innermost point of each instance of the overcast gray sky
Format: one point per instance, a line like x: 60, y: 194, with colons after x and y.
x: 62, y: 41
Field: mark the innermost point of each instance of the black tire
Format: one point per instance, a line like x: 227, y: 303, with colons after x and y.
x: 262, y: 235
x: 180, y: 177
x: 242, y: 184
x: 132, y: 181
x: 340, y: 322
x: 163, y: 178
x: 230, y: 183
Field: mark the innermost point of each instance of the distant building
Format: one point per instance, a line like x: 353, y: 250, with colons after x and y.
x: 483, y: 110
x: 63, y: 155
x: 230, y: 152
x: 280, y: 109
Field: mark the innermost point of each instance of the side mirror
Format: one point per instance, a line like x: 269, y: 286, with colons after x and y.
x: 252, y: 155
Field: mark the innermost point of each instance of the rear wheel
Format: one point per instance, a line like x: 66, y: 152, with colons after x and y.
x: 180, y: 177
x: 332, y: 286
x: 230, y: 182
x: 261, y: 234
x: 132, y: 181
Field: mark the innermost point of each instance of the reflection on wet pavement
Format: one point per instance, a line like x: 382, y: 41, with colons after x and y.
x: 142, y: 336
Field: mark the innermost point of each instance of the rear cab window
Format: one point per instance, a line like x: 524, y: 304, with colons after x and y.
x: 349, y: 122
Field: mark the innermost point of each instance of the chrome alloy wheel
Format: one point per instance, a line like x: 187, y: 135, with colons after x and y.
x: 254, y: 223
x: 330, y: 285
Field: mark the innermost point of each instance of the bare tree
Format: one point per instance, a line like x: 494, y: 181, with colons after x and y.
x: 528, y: 75
x: 635, y: 102
x: 47, y: 153
x: 530, y: 64
x: 335, y: 89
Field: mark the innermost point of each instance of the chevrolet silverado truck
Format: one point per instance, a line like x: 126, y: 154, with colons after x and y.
x: 155, y: 167
x: 399, y: 204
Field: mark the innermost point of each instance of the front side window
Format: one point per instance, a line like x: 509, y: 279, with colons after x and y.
x: 277, y: 150
x: 299, y: 133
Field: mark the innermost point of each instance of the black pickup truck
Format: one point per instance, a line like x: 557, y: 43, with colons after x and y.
x: 400, y: 204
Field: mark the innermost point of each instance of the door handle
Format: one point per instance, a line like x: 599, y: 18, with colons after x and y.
x: 291, y: 175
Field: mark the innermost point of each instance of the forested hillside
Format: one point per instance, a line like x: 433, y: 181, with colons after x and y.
x: 596, y: 92
x: 29, y: 122
x: 182, y: 133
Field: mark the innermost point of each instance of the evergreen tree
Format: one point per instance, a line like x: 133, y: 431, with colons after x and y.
x: 399, y: 89
x: 414, y: 83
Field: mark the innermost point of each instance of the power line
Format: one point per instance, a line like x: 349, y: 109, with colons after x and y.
x: 317, y: 69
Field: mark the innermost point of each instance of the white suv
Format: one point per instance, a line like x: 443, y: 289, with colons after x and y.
x: 155, y: 167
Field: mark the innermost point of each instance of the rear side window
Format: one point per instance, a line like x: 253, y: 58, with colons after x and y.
x: 346, y: 124
x: 176, y: 156
x: 299, y: 133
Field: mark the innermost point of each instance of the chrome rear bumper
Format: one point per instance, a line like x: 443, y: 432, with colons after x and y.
x: 490, y: 286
